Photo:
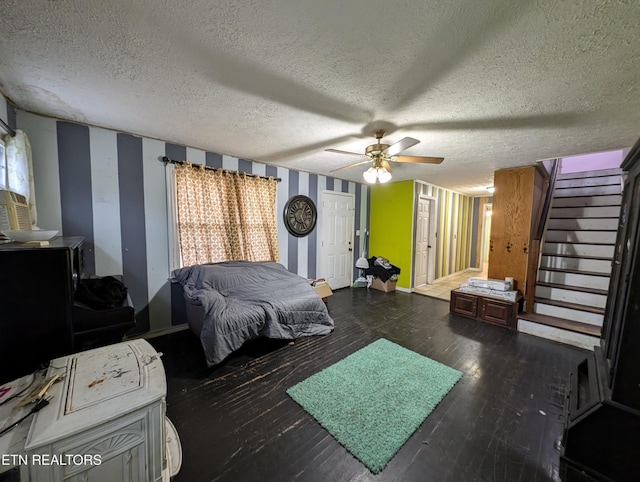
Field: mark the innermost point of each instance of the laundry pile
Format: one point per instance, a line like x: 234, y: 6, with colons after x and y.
x: 380, y: 267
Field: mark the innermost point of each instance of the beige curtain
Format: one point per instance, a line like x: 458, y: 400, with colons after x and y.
x: 223, y: 216
x: 19, y: 170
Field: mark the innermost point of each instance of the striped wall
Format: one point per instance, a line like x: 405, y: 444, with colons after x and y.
x: 110, y: 187
x: 455, y: 229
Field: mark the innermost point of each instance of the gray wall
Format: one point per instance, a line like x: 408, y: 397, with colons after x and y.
x: 110, y: 187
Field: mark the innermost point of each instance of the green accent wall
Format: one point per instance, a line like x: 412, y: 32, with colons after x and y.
x: 391, y: 226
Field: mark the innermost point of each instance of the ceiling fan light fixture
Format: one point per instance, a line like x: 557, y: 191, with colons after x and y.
x: 374, y: 174
x: 370, y: 175
x: 383, y: 175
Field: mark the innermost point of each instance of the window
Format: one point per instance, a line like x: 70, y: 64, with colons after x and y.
x: 224, y: 216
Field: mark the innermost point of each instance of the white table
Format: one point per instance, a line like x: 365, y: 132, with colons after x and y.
x: 105, y: 420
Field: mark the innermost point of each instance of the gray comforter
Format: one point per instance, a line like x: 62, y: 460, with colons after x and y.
x: 243, y: 300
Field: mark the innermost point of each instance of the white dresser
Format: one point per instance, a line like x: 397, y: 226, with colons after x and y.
x: 106, y: 420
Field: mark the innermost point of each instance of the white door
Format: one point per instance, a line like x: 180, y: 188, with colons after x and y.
x: 422, y: 242
x: 336, y: 235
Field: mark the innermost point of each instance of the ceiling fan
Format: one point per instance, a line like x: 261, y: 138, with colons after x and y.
x: 381, y: 154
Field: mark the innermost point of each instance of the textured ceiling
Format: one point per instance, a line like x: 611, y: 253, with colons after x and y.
x: 486, y: 84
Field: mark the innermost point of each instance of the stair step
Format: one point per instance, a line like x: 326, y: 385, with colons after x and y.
x: 562, y: 323
x: 581, y: 230
x: 591, y: 263
x: 585, y: 212
x: 579, y: 249
x: 565, y: 255
x: 583, y: 243
x: 574, y: 278
x: 596, y: 173
x: 587, y: 190
x: 573, y: 297
x: 571, y: 306
x: 589, y: 182
x: 574, y: 271
x: 582, y: 236
x: 583, y: 289
x: 593, y: 201
x: 584, y: 224
x: 552, y: 309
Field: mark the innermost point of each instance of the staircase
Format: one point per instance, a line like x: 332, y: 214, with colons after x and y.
x: 576, y: 259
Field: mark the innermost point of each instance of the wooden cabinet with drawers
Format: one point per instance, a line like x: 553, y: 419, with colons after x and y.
x: 486, y: 308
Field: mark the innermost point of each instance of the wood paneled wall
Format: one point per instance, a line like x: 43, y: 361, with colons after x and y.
x: 515, y: 210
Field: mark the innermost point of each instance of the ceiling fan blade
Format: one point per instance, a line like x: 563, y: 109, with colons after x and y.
x: 420, y: 159
x: 400, y: 146
x: 386, y: 165
x: 338, y: 151
x: 351, y: 165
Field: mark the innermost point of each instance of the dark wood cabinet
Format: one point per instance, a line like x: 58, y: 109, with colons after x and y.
x: 464, y: 304
x: 486, y: 308
x: 499, y: 311
x: 601, y: 437
x: 37, y: 286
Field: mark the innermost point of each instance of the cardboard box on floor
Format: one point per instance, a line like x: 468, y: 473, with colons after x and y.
x: 387, y: 286
x: 323, y: 290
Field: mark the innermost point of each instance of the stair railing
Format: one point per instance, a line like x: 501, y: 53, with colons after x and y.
x: 542, y: 222
x: 535, y: 244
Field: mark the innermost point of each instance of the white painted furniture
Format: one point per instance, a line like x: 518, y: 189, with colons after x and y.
x: 12, y: 442
x: 109, y: 407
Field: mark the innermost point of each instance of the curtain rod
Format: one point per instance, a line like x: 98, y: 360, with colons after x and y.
x: 166, y: 160
x: 6, y: 127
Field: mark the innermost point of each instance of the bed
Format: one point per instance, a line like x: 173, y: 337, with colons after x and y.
x: 231, y: 302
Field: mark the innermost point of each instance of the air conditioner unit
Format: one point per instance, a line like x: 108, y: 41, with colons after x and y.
x: 14, y: 211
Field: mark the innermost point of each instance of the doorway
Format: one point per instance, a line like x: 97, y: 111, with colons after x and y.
x: 336, y: 238
x: 424, y: 254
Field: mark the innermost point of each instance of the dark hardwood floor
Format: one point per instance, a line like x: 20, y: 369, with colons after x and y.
x: 499, y: 423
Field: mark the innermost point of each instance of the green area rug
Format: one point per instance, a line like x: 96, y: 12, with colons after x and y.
x: 374, y: 399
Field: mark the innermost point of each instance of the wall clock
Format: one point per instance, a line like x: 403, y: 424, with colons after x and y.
x: 300, y: 215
